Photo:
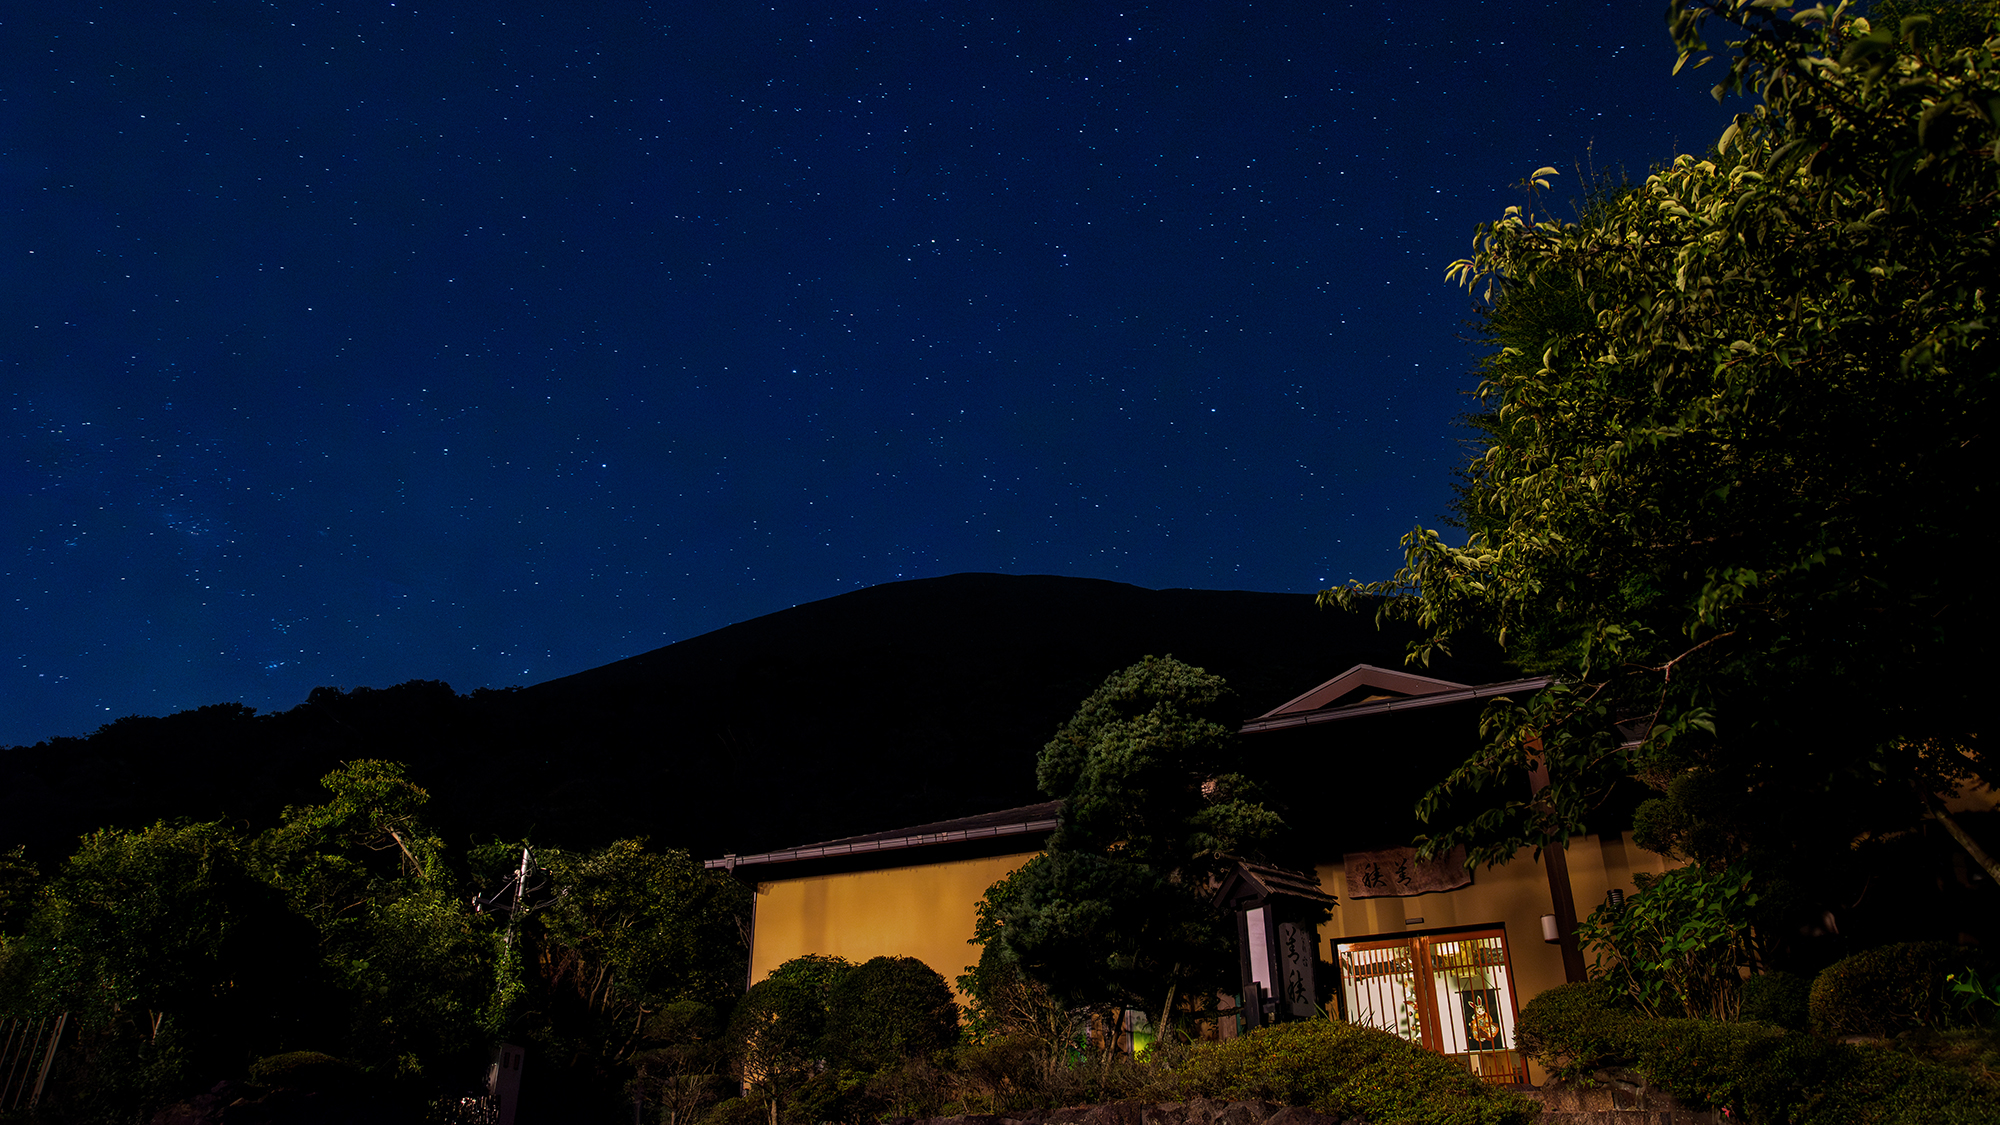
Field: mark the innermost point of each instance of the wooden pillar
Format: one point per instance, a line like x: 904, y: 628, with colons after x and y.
x: 1562, y: 900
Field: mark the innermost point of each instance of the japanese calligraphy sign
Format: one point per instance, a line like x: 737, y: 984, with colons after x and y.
x: 1298, y: 950
x: 1395, y: 873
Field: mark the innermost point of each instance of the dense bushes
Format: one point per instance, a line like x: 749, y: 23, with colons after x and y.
x: 1348, y: 1071
x: 1762, y: 1072
x: 341, y: 940
x: 827, y: 1040
x: 1779, y: 999
x: 888, y: 1011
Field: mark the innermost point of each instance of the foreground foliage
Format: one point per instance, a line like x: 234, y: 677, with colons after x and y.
x: 1349, y: 1071
x: 1737, y: 417
x: 1674, y: 947
x: 184, y: 953
x: 1768, y: 1074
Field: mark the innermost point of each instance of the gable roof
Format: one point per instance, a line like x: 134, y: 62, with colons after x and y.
x: 1363, y: 683
x: 1367, y: 690
x: 1028, y: 820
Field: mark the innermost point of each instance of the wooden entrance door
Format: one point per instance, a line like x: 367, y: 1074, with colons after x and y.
x: 1450, y: 993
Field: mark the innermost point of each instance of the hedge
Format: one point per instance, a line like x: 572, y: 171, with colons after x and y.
x: 1767, y: 1074
x: 1886, y: 990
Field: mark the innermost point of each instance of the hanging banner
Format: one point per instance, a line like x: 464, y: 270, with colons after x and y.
x: 1396, y: 873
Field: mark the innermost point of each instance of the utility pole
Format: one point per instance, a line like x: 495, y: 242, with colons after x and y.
x: 503, y: 1076
x: 520, y: 885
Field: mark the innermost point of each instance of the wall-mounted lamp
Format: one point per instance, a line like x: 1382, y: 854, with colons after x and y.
x: 1550, y: 933
x: 1615, y: 899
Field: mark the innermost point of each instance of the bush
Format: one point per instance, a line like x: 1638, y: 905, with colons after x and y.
x: 777, y: 1032
x: 1675, y: 945
x: 737, y: 1111
x: 1574, y: 1029
x: 1779, y: 999
x: 888, y: 1011
x: 310, y: 1071
x: 1807, y: 1081
x: 1883, y: 991
x: 1766, y: 1073
x: 1703, y: 1062
x: 1349, y: 1071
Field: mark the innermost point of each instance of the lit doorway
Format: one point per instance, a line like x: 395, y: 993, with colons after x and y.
x: 1452, y: 993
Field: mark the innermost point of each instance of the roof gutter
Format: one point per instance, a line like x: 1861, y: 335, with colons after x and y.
x: 898, y: 843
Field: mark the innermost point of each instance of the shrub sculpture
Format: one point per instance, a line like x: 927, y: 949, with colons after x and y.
x: 1348, y: 1071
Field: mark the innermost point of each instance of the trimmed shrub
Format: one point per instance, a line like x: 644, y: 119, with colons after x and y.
x: 305, y: 1070
x: 777, y: 1031
x: 888, y: 1011
x: 1883, y: 991
x: 1697, y: 1061
x: 1348, y: 1071
x: 1574, y: 1029
x: 1762, y: 1072
x: 737, y: 1111
x: 1807, y: 1081
x: 1779, y: 999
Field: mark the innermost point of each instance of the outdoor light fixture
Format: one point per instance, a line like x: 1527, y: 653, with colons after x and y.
x: 1550, y: 932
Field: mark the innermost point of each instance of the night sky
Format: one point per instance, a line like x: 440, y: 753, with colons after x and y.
x: 487, y: 342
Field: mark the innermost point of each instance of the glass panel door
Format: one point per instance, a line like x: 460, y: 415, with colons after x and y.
x: 1449, y: 993
x: 1378, y: 981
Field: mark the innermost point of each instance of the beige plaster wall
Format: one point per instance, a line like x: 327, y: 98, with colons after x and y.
x: 923, y: 911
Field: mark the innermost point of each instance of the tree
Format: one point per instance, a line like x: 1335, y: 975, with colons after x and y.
x: 1738, y: 461
x: 625, y: 933
x: 778, y: 1031
x: 887, y: 1011
x: 174, y: 959
x: 1116, y: 912
x: 414, y: 964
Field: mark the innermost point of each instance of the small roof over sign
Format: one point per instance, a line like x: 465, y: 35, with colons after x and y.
x: 1257, y: 883
x: 1363, y: 683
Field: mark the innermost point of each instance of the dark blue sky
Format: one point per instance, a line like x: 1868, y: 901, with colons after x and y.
x: 487, y: 342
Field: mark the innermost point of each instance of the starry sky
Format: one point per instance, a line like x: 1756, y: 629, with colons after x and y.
x: 477, y: 340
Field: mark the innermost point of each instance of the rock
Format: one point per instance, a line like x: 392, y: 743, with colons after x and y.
x: 1299, y: 1115
x: 1117, y: 1113
x: 1246, y: 1113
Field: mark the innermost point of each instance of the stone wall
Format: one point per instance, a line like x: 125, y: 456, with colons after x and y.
x: 1618, y: 1098
x: 1198, y: 1111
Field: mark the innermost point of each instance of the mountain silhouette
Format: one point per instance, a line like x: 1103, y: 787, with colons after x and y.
x: 899, y: 704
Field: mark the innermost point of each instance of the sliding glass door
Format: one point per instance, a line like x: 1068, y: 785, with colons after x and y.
x: 1450, y: 993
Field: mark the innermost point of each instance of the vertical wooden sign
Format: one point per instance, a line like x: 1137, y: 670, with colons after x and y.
x: 1298, y: 953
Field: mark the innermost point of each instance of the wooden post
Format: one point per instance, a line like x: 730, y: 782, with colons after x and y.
x: 48, y: 1059
x: 1562, y: 900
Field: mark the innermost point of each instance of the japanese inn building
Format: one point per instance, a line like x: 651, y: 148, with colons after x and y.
x: 1439, y: 954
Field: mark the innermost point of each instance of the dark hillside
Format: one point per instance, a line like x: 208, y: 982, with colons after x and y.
x: 894, y: 705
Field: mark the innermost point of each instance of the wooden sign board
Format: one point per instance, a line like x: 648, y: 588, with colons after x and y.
x: 1396, y: 873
